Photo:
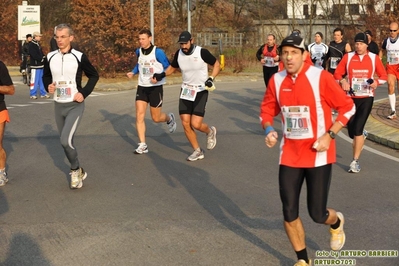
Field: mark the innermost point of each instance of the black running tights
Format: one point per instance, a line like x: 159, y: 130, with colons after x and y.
x: 317, y: 183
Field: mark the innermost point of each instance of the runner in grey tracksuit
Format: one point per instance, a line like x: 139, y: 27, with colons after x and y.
x: 62, y: 76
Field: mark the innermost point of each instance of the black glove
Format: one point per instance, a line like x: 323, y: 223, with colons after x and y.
x: 370, y: 81
x: 159, y: 76
x: 339, y: 60
x: 351, y: 92
x: 209, y: 82
x: 314, y: 59
x: 324, y: 57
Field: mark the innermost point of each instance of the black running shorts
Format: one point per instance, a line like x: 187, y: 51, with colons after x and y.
x: 358, y: 120
x: 152, y: 95
x: 196, y: 107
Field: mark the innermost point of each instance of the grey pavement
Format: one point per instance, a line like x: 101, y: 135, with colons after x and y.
x: 381, y: 130
x: 158, y: 209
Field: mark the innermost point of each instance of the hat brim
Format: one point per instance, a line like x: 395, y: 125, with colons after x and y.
x: 292, y: 45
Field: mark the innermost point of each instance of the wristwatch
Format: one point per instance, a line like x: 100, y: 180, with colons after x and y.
x: 332, y: 134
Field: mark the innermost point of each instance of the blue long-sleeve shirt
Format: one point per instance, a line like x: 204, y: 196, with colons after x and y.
x: 159, y: 55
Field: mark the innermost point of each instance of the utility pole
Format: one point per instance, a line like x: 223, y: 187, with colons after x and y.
x: 152, y: 20
x: 191, y: 5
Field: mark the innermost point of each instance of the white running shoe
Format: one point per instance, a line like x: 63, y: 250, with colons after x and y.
x: 3, y: 178
x: 354, y: 167
x: 141, y: 149
x: 172, y: 123
x: 211, y: 138
x: 198, y: 154
x: 392, y: 115
x: 77, y: 177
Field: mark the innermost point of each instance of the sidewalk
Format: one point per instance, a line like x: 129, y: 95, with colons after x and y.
x: 381, y: 130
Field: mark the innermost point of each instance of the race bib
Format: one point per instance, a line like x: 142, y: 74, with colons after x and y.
x: 269, y: 61
x: 334, y: 62
x: 65, y: 91
x: 297, y: 123
x: 393, y: 58
x: 360, y: 87
x: 147, y: 70
x: 189, y: 92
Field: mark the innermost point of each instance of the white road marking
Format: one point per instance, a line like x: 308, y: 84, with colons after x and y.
x: 348, y: 139
x: 49, y: 101
x: 17, y: 105
x: 94, y: 94
x: 109, y: 93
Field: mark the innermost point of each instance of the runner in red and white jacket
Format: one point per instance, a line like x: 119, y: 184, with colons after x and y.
x: 317, y: 90
x: 304, y: 95
x: 361, y: 68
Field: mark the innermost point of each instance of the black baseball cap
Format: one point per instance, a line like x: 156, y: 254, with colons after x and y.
x: 184, y: 37
x: 293, y: 41
x: 28, y: 35
x: 361, y: 37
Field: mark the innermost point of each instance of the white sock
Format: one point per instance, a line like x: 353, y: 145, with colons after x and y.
x: 392, y: 101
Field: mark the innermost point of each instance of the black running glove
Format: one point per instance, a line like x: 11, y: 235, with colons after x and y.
x: 159, y: 76
x: 209, y: 82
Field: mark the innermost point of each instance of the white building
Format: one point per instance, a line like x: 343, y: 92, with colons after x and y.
x: 310, y: 16
x: 333, y: 9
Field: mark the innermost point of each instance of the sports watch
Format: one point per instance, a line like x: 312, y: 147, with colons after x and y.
x: 332, y: 134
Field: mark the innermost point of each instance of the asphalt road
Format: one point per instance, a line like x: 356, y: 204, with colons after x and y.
x: 159, y: 209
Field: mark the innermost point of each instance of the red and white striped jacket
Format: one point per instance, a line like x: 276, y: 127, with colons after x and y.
x: 319, y: 92
x: 361, y: 67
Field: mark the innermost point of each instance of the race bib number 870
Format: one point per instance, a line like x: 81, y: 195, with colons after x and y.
x: 297, y: 123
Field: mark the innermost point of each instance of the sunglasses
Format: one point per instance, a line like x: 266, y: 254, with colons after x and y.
x: 392, y: 30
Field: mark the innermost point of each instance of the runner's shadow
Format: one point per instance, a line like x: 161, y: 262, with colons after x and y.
x: 50, y: 139
x: 251, y: 127
x: 259, y: 93
x: 122, y: 125
x: 248, y: 109
x: 8, y: 139
x: 216, y: 203
x: 24, y: 250
x: 3, y: 203
x: 344, y: 167
x: 230, y: 95
x: 167, y: 141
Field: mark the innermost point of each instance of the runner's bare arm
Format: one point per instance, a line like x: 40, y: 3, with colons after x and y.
x: 7, y: 89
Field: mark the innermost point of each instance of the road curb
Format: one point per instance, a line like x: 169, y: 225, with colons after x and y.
x: 382, y: 133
